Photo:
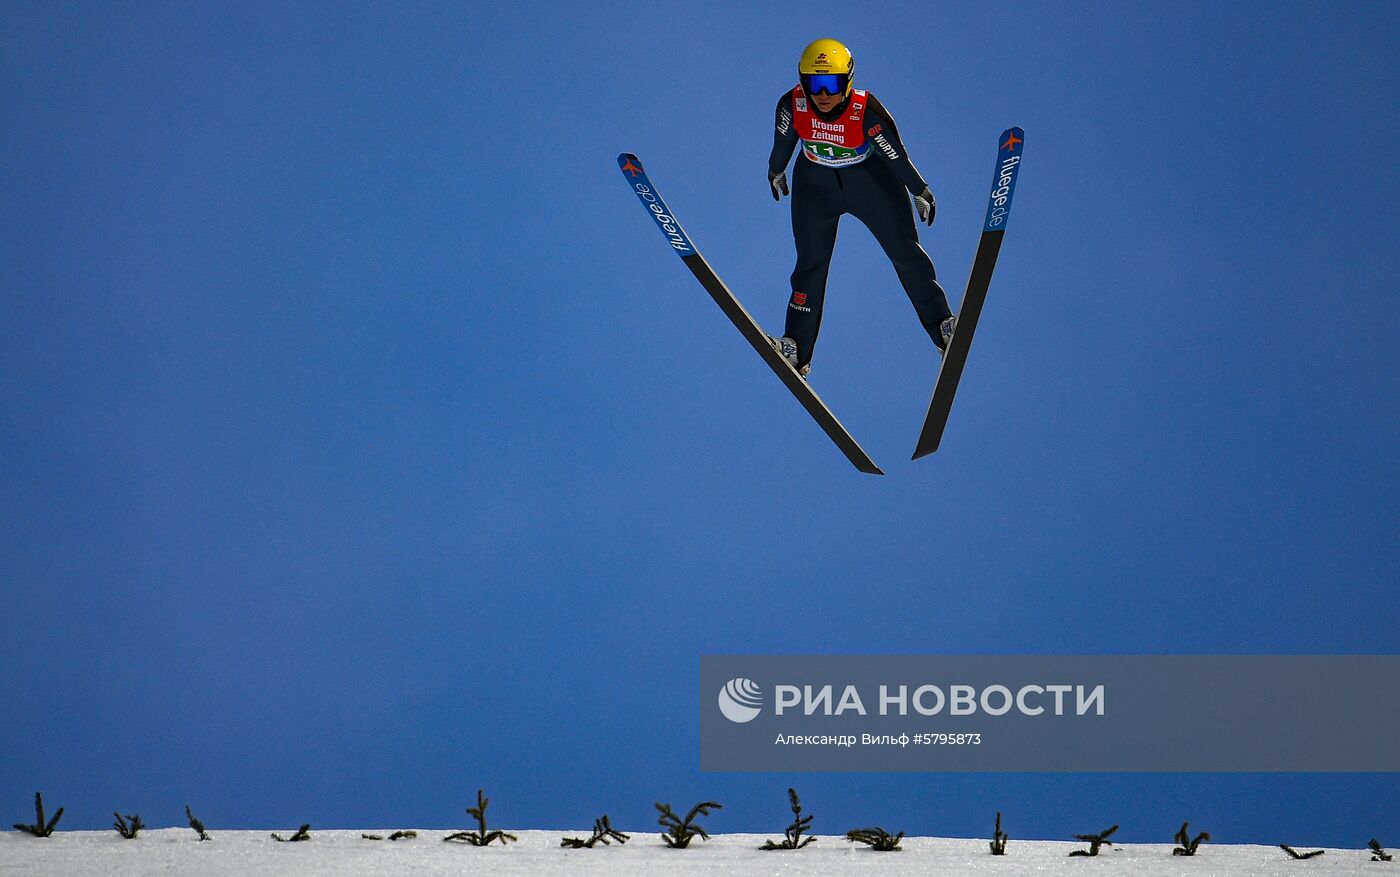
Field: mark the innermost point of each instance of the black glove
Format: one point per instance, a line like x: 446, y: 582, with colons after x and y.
x: 778, y: 183
x: 926, y: 205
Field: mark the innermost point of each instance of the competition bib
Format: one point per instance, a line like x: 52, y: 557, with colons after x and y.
x: 838, y: 143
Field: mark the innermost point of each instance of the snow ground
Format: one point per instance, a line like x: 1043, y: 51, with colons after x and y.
x: 346, y: 854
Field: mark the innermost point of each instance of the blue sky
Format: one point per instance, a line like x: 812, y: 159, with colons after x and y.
x: 362, y: 445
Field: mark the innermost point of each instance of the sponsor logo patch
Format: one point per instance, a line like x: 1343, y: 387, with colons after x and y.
x: 886, y: 148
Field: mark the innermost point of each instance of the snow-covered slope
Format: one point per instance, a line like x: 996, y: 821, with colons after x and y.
x: 346, y: 854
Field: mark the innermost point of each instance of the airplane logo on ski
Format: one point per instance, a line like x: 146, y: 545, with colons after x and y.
x: 631, y: 168
x: 1011, y: 141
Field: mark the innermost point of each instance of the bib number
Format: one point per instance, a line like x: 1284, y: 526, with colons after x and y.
x: 831, y: 154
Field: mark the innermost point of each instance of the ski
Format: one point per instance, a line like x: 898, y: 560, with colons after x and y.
x: 675, y: 235
x: 998, y: 212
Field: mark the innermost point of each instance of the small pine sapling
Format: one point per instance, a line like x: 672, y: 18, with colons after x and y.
x: 398, y: 835
x: 1380, y: 855
x: 196, y: 824
x: 481, y: 837
x: 303, y: 833
x: 680, y: 831
x: 792, y: 837
x: 40, y: 828
x: 602, y: 830
x: 1186, y: 845
x: 999, y: 839
x: 128, y: 829
x: 1297, y: 855
x: 877, y: 838
x: 1094, y: 841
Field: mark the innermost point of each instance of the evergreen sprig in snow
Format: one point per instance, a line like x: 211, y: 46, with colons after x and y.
x: 999, y: 839
x: 792, y: 837
x: 303, y: 833
x: 481, y: 837
x: 129, y: 827
x: 602, y: 830
x: 877, y: 838
x: 40, y: 828
x: 196, y: 824
x: 1094, y: 841
x: 679, y: 832
x: 1186, y: 845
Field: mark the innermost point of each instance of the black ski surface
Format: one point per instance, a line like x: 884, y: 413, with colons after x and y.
x: 998, y: 212
x: 643, y: 188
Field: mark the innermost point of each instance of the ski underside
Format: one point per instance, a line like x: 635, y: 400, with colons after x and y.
x: 680, y: 242
x: 978, y: 281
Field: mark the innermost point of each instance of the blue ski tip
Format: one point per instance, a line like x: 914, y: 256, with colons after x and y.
x: 656, y: 208
x: 1004, y: 183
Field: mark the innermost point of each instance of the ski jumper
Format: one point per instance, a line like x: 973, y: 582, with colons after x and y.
x: 852, y: 162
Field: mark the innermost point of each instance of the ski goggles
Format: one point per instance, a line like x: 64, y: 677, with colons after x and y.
x: 832, y: 83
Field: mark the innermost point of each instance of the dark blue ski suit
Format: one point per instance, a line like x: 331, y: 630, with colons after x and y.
x: 876, y: 191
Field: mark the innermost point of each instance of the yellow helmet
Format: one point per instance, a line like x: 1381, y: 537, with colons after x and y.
x: 826, y: 65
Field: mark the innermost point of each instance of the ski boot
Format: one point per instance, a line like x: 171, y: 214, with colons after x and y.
x: 787, y: 349
x: 945, y: 331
